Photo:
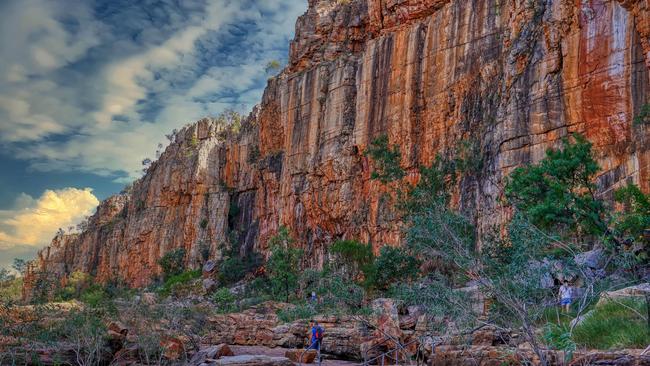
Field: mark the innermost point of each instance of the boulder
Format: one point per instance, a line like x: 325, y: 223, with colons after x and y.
x: 209, y: 268
x: 210, y: 353
x: 407, y: 322
x: 149, y: 298
x: 118, y: 327
x: 253, y: 360
x: 593, y: 259
x: 209, y: 284
x: 308, y: 356
x: 387, y: 317
x: 173, y: 348
x: 638, y: 291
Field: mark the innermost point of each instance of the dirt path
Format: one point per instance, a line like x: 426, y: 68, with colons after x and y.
x: 279, y: 352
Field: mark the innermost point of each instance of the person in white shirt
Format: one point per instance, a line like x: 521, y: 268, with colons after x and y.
x: 565, y: 295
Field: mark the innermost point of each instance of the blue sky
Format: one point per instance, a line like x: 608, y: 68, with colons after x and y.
x: 89, y: 88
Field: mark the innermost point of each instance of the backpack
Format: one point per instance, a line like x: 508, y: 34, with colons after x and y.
x: 319, y: 333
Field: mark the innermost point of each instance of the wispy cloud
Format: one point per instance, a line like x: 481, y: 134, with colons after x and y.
x: 93, y: 86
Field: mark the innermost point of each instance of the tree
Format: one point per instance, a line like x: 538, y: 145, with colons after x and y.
x: 558, y: 193
x: 230, y: 119
x: 20, y: 266
x: 392, y: 265
x: 552, y: 199
x: 387, y: 160
x: 631, y: 225
x: 5, y: 275
x: 355, y: 259
x: 272, y: 67
x: 283, y: 266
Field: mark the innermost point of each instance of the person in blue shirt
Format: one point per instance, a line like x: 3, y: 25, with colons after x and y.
x: 316, y: 336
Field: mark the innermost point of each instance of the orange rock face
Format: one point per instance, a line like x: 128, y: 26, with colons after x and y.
x: 513, y: 77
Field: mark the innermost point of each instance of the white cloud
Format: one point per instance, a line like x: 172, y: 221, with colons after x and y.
x: 34, y: 222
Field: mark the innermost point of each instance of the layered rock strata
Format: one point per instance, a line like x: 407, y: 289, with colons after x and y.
x: 508, y: 77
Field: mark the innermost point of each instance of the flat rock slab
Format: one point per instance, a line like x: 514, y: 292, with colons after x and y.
x: 308, y: 356
x: 252, y: 360
x: 212, y: 352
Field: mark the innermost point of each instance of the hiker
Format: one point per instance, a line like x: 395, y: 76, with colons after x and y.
x: 316, y: 336
x: 313, y: 297
x: 565, y: 296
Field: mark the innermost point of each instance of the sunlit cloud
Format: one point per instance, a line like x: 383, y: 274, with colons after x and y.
x: 32, y: 222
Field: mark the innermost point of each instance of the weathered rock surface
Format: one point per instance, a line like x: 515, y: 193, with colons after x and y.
x: 512, y: 77
x: 301, y: 355
x: 638, y: 292
x: 343, y: 336
x: 206, y: 355
x: 251, y: 360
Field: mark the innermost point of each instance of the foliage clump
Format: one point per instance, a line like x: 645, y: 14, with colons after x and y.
x: 387, y: 160
x: 172, y: 262
x: 283, y: 265
x: 559, y: 192
x: 644, y: 115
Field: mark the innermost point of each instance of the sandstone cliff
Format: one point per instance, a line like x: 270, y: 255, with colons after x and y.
x: 511, y: 76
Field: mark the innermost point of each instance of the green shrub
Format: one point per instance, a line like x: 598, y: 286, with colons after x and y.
x: 615, y: 325
x: 559, y: 337
x: 340, y: 293
x: 299, y: 312
x: 386, y: 159
x: 77, y: 283
x: 174, y: 283
x: 172, y: 262
x: 636, y: 216
x: 392, y: 265
x: 272, y: 67
x: 234, y: 268
x: 204, y: 223
x: 644, y: 115
x: 96, y: 296
x: 357, y: 258
x: 224, y: 300
x: 558, y: 192
x: 11, y: 290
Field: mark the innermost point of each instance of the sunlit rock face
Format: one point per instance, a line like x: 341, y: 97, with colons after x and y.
x: 512, y: 77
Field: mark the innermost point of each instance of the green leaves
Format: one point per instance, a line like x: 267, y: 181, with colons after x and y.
x: 387, y: 160
x: 636, y: 217
x: 558, y: 192
x: 393, y: 265
x: 283, y: 265
x: 644, y: 115
x: 172, y: 262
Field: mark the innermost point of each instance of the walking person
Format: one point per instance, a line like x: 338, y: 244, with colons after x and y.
x: 565, y: 295
x: 316, y: 335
